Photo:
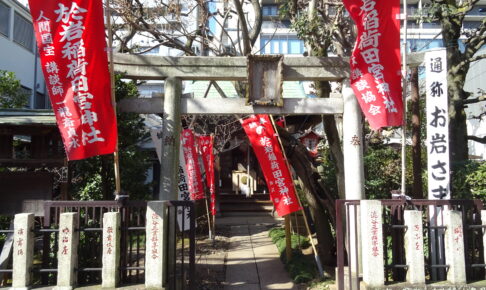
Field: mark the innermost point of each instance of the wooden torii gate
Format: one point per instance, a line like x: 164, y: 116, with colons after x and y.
x: 176, y: 69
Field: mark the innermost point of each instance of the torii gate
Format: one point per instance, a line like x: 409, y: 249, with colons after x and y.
x: 176, y: 69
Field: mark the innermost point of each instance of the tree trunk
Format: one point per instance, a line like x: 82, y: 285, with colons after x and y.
x: 320, y: 201
x: 417, y: 191
x: 332, y: 136
x: 456, y: 77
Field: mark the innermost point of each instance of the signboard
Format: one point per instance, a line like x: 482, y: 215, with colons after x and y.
x: 438, y: 165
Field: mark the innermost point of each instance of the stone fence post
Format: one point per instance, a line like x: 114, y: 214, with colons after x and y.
x: 372, y: 243
x: 23, y: 250
x: 454, y: 247
x: 156, y: 250
x: 414, y: 247
x: 111, y: 250
x: 67, y: 255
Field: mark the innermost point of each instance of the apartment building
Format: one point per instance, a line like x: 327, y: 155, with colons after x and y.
x: 19, y: 51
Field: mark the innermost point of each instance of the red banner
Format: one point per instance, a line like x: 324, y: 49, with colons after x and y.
x: 192, y: 165
x: 277, y: 175
x: 375, y: 62
x: 71, y: 40
x: 206, y: 149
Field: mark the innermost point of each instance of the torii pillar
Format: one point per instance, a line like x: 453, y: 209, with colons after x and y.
x: 353, y: 173
x: 171, y: 128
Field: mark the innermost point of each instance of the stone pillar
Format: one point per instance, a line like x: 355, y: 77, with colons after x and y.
x: 372, y: 243
x: 111, y: 250
x: 171, y: 128
x: 67, y: 255
x: 23, y: 250
x: 414, y: 247
x: 156, y: 250
x: 353, y: 170
x: 454, y: 247
x: 352, y: 145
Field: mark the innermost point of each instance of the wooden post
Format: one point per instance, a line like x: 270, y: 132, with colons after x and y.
x: 288, y: 240
x: 116, y: 160
x: 316, y: 255
x: 209, y: 218
x: 171, y: 128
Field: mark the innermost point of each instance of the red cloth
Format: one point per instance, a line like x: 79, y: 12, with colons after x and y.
x: 375, y: 62
x: 72, y: 47
x: 205, y: 143
x: 194, y: 181
x: 277, y: 175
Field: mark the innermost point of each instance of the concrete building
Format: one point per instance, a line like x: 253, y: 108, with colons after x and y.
x: 19, y: 52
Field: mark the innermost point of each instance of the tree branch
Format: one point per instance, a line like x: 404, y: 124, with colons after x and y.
x: 257, y: 26
x: 244, y: 27
x: 481, y: 140
x: 475, y: 100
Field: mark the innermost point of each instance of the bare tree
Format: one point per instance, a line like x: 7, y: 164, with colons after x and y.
x: 450, y: 14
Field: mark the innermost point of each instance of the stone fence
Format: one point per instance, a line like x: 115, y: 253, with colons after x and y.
x: 372, y: 247
x: 156, y: 265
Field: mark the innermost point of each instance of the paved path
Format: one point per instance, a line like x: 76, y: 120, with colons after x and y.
x: 252, y: 260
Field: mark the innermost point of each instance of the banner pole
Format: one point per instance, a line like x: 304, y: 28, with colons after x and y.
x: 116, y: 159
x: 288, y: 238
x: 404, y: 98
x: 214, y: 188
x: 209, y: 219
x: 316, y: 256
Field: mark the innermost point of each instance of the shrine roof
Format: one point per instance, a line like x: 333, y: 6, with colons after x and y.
x: 21, y: 117
x: 291, y: 89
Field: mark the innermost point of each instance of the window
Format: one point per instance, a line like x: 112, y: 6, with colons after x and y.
x: 477, y: 11
x: 281, y: 44
x: 435, y: 25
x: 471, y: 24
x: 270, y: 10
x: 23, y: 32
x: 424, y: 44
x: 212, y: 21
x: 4, y: 19
x: 40, y: 101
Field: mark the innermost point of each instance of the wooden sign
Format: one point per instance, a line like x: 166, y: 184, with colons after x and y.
x: 265, y: 80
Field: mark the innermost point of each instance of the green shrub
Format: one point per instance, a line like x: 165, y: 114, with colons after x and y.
x: 301, y: 268
x: 477, y: 181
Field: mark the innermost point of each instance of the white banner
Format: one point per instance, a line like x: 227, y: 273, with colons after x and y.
x: 438, y: 165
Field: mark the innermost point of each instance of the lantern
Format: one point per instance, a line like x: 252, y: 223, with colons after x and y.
x: 310, y: 141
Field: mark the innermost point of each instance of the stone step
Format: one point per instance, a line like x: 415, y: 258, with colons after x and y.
x: 258, y: 196
x: 246, y: 207
x: 248, y: 214
x: 246, y: 201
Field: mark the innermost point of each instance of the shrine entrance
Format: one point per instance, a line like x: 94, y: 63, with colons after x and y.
x: 173, y: 103
x: 262, y: 99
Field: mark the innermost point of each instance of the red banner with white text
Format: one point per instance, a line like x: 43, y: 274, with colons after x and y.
x: 375, y: 62
x: 277, y: 175
x: 71, y: 40
x: 194, y: 181
x: 206, y: 148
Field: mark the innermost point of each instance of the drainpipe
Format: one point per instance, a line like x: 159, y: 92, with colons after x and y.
x: 34, y: 87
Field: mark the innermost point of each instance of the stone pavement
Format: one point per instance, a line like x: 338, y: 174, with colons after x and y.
x: 252, y: 260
